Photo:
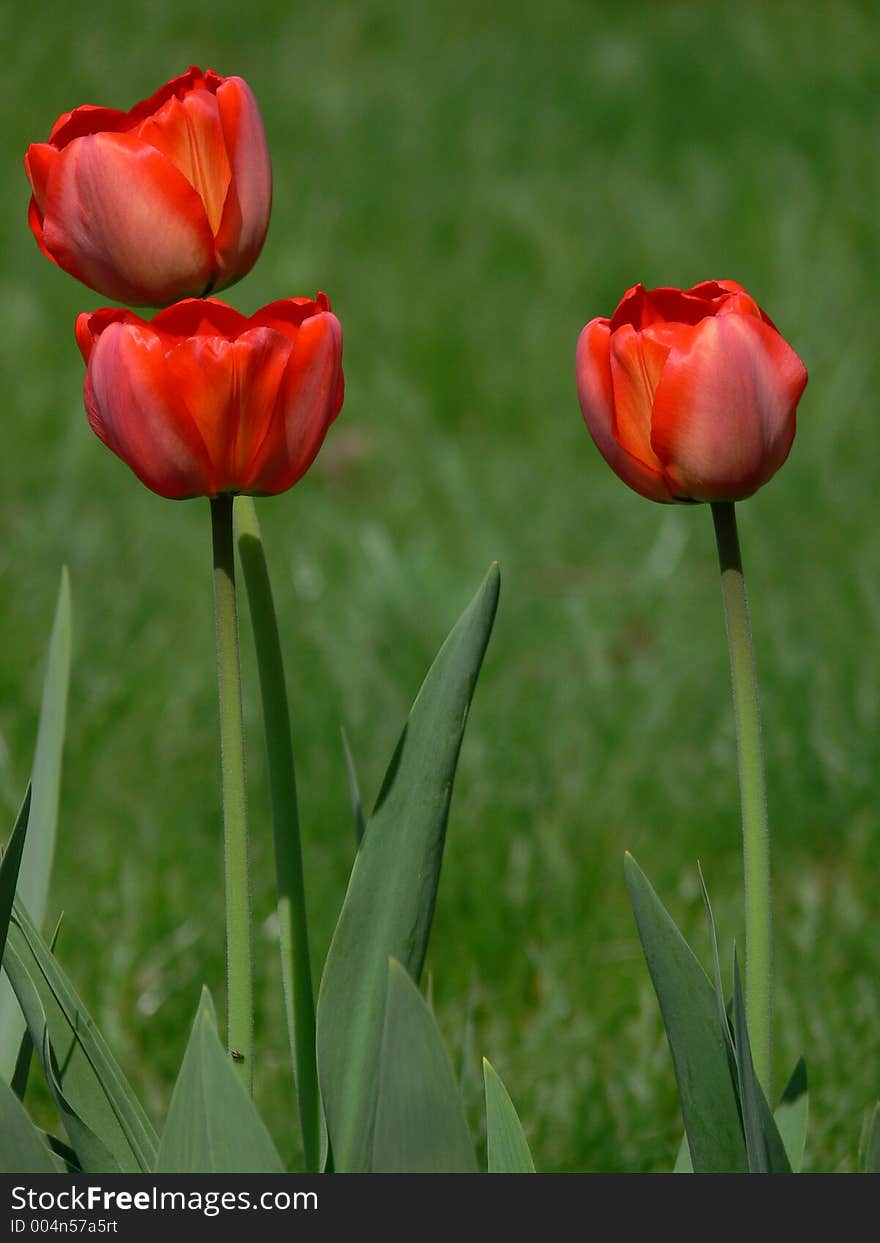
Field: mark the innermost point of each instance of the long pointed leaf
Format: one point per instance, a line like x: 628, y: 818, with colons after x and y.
x: 213, y: 1126
x: 10, y: 867
x: 420, y: 1123
x: 508, y: 1148
x: 766, y: 1151
x: 296, y: 969
x: 88, y: 1075
x: 36, y: 865
x: 697, y: 1042
x: 791, y: 1115
x: 389, y: 905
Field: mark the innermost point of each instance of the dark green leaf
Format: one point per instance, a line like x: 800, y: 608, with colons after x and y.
x: 791, y: 1115
x: 508, y: 1149
x: 697, y: 1041
x: 420, y: 1125
x: 766, y: 1151
x: 10, y: 866
x: 390, y: 900
x: 213, y: 1126
x: 94, y: 1088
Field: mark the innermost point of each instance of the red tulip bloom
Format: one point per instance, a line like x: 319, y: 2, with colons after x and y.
x: 690, y: 395
x: 169, y: 199
x: 203, y: 400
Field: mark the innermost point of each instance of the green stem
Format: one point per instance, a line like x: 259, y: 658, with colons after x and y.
x: 239, y: 988
x: 756, y: 838
x: 296, y: 968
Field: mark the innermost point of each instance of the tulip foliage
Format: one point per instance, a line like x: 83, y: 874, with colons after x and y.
x: 689, y: 395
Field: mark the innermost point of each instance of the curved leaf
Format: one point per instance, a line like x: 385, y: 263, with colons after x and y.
x: 697, y: 1042
x: 93, y: 1086
x: 390, y: 900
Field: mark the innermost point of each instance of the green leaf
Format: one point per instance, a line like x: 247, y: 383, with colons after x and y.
x: 36, y: 865
x: 22, y: 1147
x: 389, y: 905
x: 766, y: 1152
x: 420, y: 1125
x: 697, y: 1042
x: 791, y: 1116
x: 293, y: 934
x: 354, y: 792
x: 683, y: 1162
x: 871, y: 1158
x: 20, y: 1075
x: 10, y: 866
x: 213, y: 1126
x: 508, y: 1148
x: 92, y: 1153
x: 716, y: 967
x: 93, y: 1086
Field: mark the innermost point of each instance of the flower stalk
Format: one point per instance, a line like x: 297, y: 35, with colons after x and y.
x: 756, y: 838
x: 238, y: 915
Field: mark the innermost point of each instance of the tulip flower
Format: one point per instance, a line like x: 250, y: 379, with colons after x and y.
x: 168, y: 200
x: 203, y: 400
x: 690, y: 395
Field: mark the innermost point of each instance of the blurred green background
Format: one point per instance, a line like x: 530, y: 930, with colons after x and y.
x: 470, y: 184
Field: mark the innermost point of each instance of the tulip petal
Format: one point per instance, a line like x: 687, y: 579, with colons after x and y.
x: 637, y: 360
x: 245, y: 220
x: 188, y: 131
x: 309, y: 400
x: 132, y: 407
x: 724, y: 410
x: 119, y: 216
x: 230, y: 389
x: 38, y: 161
x: 596, y: 395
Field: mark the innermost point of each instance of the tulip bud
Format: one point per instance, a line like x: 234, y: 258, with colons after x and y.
x: 690, y: 395
x: 203, y: 400
x: 167, y: 200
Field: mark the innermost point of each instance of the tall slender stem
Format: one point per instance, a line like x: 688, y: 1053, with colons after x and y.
x: 239, y: 988
x: 296, y: 968
x: 756, y: 838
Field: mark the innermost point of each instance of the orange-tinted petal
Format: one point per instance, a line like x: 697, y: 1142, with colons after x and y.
x: 245, y: 220
x: 189, y: 132
x: 309, y: 400
x: 596, y: 395
x: 724, y: 410
x: 133, y: 408
x: 637, y: 360
x: 120, y: 217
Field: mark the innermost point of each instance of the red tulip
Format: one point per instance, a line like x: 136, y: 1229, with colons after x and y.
x: 169, y: 199
x: 690, y: 395
x: 203, y: 400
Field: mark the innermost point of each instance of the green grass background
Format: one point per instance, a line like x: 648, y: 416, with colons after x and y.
x: 470, y: 183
